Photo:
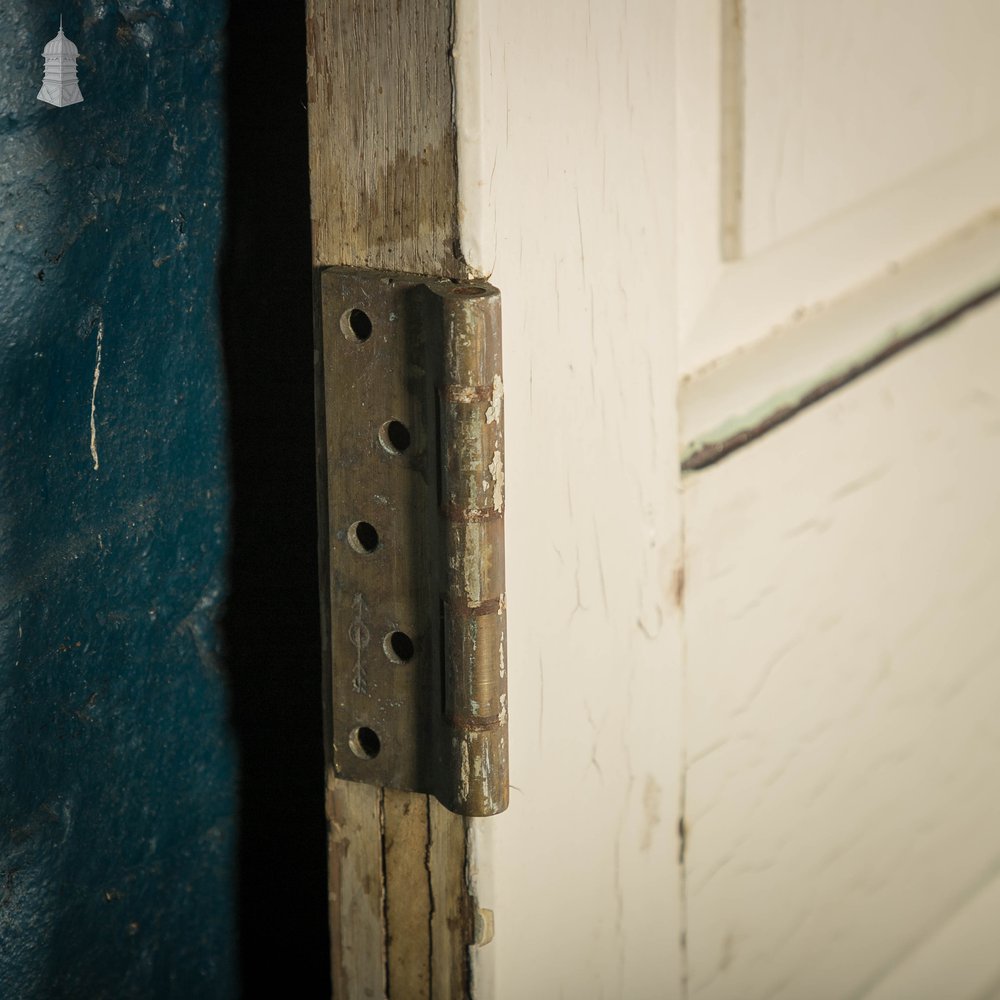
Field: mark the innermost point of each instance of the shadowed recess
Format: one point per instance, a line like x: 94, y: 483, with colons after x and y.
x: 272, y: 620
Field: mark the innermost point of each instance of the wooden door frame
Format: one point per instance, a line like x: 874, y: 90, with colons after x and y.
x: 384, y: 184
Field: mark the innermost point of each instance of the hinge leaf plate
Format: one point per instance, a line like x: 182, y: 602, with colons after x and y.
x: 413, y: 412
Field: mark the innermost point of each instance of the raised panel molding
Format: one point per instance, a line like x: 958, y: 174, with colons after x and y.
x: 844, y: 102
x: 752, y: 390
x: 814, y: 158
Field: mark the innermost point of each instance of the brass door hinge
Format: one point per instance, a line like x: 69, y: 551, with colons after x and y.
x: 414, y: 436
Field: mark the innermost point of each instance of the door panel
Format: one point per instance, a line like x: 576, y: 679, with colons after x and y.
x: 842, y: 640
x: 820, y: 147
x: 750, y: 708
x: 845, y: 101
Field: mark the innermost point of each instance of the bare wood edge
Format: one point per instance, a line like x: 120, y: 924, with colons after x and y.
x: 356, y: 889
x: 400, y: 901
x: 408, y: 894
x: 453, y: 908
x: 383, y: 144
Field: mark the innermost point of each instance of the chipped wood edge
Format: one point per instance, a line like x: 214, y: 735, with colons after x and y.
x: 408, y: 894
x: 384, y: 192
x: 356, y: 889
x: 452, y: 904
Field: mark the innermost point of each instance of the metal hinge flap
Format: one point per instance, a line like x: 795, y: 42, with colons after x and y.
x: 413, y: 399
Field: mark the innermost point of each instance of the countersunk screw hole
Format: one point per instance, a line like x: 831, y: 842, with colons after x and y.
x: 363, y: 537
x: 356, y: 324
x: 398, y: 647
x: 470, y: 291
x: 364, y: 743
x: 394, y: 437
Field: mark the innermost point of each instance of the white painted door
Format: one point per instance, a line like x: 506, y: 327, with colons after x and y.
x: 753, y: 737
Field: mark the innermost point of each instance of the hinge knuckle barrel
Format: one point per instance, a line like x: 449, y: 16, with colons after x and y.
x: 470, y: 398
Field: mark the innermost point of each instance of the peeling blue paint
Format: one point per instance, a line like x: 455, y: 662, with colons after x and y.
x: 117, y: 765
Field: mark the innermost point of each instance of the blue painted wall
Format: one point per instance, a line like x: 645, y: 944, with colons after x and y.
x: 117, y: 763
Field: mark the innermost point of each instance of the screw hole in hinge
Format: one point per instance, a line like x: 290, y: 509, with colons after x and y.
x: 394, y: 437
x: 356, y: 324
x: 363, y: 537
x: 364, y: 743
x: 398, y: 647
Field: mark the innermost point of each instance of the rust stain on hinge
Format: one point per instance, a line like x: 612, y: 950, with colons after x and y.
x: 414, y: 430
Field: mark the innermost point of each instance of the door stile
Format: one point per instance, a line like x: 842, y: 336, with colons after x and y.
x: 385, y: 196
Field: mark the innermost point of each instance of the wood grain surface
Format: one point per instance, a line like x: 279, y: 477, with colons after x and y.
x: 382, y: 136
x: 384, y: 195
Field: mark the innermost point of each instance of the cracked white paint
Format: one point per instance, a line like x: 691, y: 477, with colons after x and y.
x: 813, y: 150
x: 480, y: 765
x: 868, y: 134
x: 464, y: 774
x: 93, y: 395
x: 587, y: 482
x: 472, y: 572
x: 496, y: 471
x: 495, y: 410
x: 842, y: 733
x: 824, y: 751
